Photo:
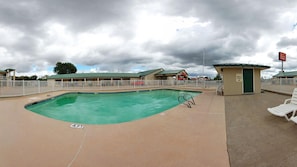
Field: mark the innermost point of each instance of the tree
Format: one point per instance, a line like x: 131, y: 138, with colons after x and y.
x: 65, y: 68
x: 218, y: 77
x: 33, y: 77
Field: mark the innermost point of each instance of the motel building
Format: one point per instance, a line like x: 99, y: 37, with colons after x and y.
x: 6, y: 77
x: 288, y: 77
x: 239, y: 79
x: 135, y: 78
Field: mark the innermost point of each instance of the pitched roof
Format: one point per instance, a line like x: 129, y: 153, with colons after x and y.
x: 114, y: 75
x: 94, y: 75
x: 7, y: 70
x: 286, y: 74
x: 144, y: 73
x: 168, y: 72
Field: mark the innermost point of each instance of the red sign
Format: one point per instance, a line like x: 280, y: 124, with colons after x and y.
x: 281, y: 56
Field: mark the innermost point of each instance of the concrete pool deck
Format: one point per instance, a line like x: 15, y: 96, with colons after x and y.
x: 255, y: 137
x: 177, y: 137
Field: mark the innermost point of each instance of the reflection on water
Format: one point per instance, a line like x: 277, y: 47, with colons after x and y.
x: 67, y: 99
x: 108, y: 108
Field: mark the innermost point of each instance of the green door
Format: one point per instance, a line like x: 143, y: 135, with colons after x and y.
x: 248, y: 80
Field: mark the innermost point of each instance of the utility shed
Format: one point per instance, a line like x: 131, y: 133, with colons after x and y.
x: 240, y: 78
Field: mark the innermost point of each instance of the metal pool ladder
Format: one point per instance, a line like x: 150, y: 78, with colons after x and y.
x: 186, y: 99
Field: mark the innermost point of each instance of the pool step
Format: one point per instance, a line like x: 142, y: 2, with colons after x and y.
x: 186, y: 99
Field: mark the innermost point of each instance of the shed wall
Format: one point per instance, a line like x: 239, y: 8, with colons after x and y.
x: 232, y: 86
x: 257, y: 81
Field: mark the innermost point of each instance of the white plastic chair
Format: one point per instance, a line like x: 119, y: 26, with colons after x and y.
x: 289, y: 106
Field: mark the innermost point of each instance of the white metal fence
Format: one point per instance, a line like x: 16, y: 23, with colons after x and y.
x: 10, y: 88
x: 21, y: 88
x: 283, y: 85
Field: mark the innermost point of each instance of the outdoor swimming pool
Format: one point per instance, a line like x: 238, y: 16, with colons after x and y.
x: 107, y: 108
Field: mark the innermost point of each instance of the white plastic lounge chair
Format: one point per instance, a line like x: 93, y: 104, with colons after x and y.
x: 289, y: 106
x: 294, y: 119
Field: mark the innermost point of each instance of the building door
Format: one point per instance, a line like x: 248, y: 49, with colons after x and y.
x: 248, y: 81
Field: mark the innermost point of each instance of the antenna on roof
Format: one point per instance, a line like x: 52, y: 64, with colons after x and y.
x: 203, y: 62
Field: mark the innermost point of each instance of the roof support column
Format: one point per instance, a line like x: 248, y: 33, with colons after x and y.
x: 71, y: 83
x: 121, y: 81
x: 13, y: 78
x: 7, y: 78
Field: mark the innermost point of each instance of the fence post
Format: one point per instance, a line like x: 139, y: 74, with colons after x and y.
x: 53, y: 86
x: 23, y: 87
x: 280, y: 83
x: 39, y: 87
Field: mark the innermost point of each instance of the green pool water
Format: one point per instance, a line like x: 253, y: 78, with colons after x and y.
x: 107, y: 108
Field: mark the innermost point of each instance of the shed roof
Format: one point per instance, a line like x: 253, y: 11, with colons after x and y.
x: 219, y: 67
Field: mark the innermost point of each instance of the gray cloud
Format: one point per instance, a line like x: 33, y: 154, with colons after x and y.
x: 236, y: 15
x: 84, y: 15
x: 286, y: 42
x: 233, y: 29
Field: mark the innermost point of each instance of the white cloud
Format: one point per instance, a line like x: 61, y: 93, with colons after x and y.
x: 129, y: 35
x: 163, y: 29
x: 7, y: 33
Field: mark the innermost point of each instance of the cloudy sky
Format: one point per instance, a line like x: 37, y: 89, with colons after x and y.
x: 137, y: 35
